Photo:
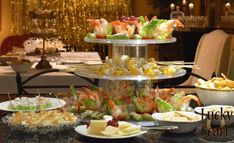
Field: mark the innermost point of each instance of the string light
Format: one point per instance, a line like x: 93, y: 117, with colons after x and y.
x: 71, y: 16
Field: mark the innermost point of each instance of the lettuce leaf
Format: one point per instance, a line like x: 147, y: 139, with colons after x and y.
x: 149, y: 29
x: 108, y: 29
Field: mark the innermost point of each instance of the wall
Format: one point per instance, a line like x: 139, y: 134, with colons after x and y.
x: 5, y: 19
x: 140, y: 7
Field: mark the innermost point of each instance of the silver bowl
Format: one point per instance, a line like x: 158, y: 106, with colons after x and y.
x: 39, y: 129
x: 215, y: 96
x: 183, y: 126
x: 21, y: 68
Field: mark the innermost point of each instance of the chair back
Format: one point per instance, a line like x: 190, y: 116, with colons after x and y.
x: 230, y: 73
x: 212, y: 55
x: 12, y: 41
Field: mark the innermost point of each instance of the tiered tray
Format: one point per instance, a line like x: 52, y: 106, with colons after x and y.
x: 118, y: 49
x: 130, y: 41
x: 93, y: 72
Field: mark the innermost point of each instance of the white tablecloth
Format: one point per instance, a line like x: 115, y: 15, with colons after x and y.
x: 8, y: 76
x: 8, y: 80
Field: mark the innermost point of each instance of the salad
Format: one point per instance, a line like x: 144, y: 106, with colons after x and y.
x: 30, y: 104
x: 133, y: 28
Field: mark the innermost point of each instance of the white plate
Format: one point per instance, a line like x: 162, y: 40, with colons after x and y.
x: 82, y: 129
x: 56, y: 103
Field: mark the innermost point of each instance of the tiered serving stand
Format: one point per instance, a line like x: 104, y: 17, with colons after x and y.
x: 44, y: 34
x: 132, y: 48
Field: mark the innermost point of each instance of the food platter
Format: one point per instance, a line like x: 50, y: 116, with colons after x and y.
x: 92, y: 72
x: 42, y: 122
x: 82, y: 129
x: 130, y: 41
x: 128, y: 77
x: 56, y: 103
x: 185, y: 121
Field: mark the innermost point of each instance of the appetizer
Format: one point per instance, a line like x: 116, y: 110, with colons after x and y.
x: 123, y: 103
x: 219, y: 83
x: 178, y: 116
x: 133, y: 28
x: 112, y: 128
x: 126, y: 65
x: 30, y: 104
x: 43, y: 119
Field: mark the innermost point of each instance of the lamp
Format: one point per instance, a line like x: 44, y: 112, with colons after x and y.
x: 191, y: 7
x: 172, y: 6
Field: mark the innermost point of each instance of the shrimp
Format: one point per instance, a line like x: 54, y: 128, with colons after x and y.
x: 98, y: 26
x: 117, y: 111
x: 186, y: 100
x: 168, y: 27
x: 81, y: 98
x: 121, y: 27
x: 92, y: 94
x: 88, y: 98
x: 144, y: 105
x: 166, y: 94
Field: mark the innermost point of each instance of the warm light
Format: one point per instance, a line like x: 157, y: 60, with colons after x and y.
x: 184, y: 2
x: 227, y: 5
x: 172, y: 6
x: 191, y: 6
x: 31, y: 5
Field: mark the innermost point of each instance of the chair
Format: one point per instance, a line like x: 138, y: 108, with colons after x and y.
x: 22, y: 84
x: 230, y: 73
x: 12, y: 41
x: 212, y: 56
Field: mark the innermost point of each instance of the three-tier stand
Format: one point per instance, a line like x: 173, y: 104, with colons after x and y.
x: 42, y: 31
x: 132, y: 48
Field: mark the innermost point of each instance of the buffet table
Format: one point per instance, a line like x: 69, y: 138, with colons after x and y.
x: 70, y: 136
x: 8, y: 76
x: 8, y: 80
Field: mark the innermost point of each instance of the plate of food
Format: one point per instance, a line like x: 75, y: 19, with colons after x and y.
x: 123, y: 104
x: 41, y: 122
x: 216, y: 91
x: 132, y: 30
x: 32, y: 104
x: 185, y: 121
x: 112, y: 129
x: 127, y: 68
